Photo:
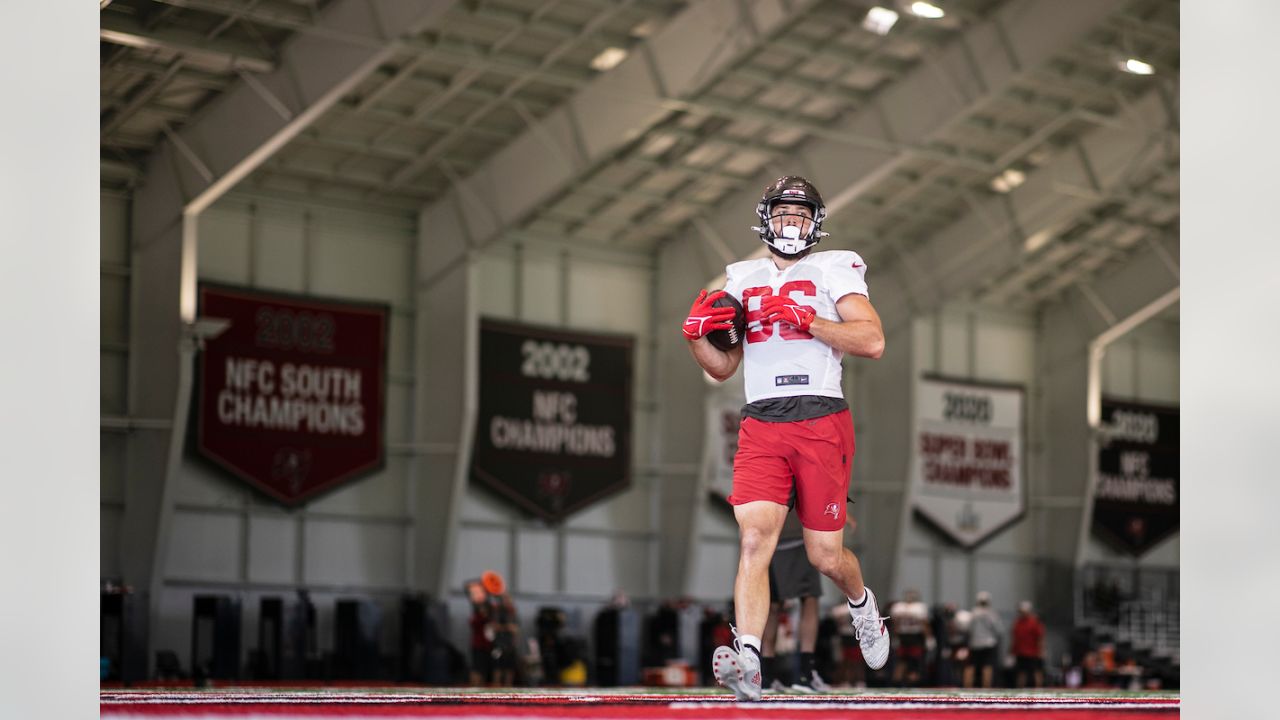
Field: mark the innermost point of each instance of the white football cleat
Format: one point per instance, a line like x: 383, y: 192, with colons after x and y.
x: 871, y: 631
x: 812, y: 685
x: 738, y: 670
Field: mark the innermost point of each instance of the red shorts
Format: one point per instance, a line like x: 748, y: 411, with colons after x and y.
x: 816, y: 453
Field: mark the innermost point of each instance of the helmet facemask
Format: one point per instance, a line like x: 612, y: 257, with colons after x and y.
x: 791, y: 228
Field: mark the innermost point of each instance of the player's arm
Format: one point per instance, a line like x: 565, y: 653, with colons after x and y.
x: 703, y: 318
x: 719, y: 364
x: 859, y: 331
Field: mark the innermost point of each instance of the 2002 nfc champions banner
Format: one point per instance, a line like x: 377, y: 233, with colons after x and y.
x: 553, y: 427
x: 966, y: 475
x: 291, y: 395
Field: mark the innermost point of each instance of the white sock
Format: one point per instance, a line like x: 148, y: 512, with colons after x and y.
x: 859, y: 604
x: 751, y: 640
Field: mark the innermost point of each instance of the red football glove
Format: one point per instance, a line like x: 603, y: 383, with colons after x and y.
x: 703, y: 318
x: 775, y: 308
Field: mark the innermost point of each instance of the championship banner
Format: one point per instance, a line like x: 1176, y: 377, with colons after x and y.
x: 291, y: 395
x: 966, y: 468
x: 724, y: 416
x: 553, y: 428
x: 1135, y: 503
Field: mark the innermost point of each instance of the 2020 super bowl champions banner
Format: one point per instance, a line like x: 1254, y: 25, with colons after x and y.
x: 966, y: 467
x: 291, y: 395
x: 553, y: 422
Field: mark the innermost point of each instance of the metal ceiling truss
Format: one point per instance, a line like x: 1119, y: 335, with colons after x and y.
x: 608, y: 114
x: 431, y: 154
x: 909, y: 119
x: 223, y: 54
x: 719, y: 138
x: 797, y: 51
x: 1078, y: 187
x: 232, y: 55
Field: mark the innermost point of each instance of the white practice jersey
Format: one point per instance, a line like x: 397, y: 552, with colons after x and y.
x: 781, y: 360
x: 909, y: 618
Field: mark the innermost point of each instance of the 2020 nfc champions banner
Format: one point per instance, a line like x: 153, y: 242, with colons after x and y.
x: 966, y: 474
x: 553, y: 427
x: 1135, y: 503
x: 291, y: 395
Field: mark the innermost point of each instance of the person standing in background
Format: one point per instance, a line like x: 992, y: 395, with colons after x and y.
x: 481, y: 635
x: 953, y: 645
x: 911, y: 626
x: 1028, y: 647
x: 985, y: 632
x: 505, y: 641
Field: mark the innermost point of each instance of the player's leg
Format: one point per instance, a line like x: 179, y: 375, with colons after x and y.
x: 899, y: 669
x: 828, y: 554
x: 770, y: 637
x: 762, y: 484
x: 768, y: 648
x: 809, y: 681
x: 808, y: 623
x: 738, y: 667
x: 759, y: 523
x: 823, y: 463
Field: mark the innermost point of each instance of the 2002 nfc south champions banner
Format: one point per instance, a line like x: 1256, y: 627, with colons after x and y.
x: 553, y: 427
x: 966, y: 474
x: 291, y: 395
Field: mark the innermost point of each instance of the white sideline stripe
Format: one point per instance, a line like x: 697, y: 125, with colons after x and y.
x: 921, y: 707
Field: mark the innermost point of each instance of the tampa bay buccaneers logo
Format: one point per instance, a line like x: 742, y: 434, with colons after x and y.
x: 833, y: 510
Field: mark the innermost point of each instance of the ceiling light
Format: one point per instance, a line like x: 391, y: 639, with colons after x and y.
x: 1008, y: 180
x: 645, y: 28
x: 608, y: 59
x: 879, y: 20
x: 926, y: 10
x: 1037, y: 240
x: 1137, y: 67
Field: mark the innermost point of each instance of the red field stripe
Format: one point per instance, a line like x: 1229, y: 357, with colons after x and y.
x: 571, y: 699
x: 322, y: 704
x: 622, y: 712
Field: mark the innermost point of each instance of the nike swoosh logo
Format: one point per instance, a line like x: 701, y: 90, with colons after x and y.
x: 857, y: 265
x: 692, y: 321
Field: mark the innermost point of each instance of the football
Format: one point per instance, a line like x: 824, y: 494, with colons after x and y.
x: 731, y: 338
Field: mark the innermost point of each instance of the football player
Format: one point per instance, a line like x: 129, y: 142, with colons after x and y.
x: 804, y: 312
